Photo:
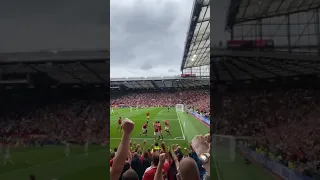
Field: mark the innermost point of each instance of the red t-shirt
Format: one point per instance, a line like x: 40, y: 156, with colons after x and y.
x: 166, y: 166
x: 166, y: 123
x: 159, y: 126
x: 150, y: 173
x: 156, y: 128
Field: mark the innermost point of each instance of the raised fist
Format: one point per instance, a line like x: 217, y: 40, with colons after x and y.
x: 162, y: 158
x: 200, y: 144
x: 128, y: 126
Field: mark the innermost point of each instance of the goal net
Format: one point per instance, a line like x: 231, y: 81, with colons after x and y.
x: 179, y: 107
x: 224, y: 148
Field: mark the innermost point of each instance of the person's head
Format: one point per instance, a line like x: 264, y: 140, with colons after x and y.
x: 156, y: 144
x: 135, y: 155
x: 115, y: 149
x: 130, y: 175
x: 146, y: 154
x: 32, y: 177
x: 179, y: 156
x: 155, y: 158
x: 188, y: 169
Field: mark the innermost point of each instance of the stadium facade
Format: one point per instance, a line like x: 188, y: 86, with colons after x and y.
x: 196, y: 57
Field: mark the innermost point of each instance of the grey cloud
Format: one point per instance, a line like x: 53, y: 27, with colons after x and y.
x: 171, y: 70
x: 146, y: 66
x: 148, y: 32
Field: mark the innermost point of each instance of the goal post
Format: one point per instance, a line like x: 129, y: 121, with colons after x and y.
x: 179, y: 108
x: 224, y: 148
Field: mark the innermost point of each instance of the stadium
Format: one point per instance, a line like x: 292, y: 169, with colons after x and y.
x: 265, y: 77
x: 180, y: 101
x: 45, y: 95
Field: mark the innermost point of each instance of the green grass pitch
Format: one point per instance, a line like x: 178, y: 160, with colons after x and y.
x: 183, y: 127
x: 49, y: 162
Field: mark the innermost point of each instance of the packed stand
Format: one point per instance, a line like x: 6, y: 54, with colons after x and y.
x: 197, y: 100
x: 55, y: 123
x: 157, y: 162
x: 284, y: 125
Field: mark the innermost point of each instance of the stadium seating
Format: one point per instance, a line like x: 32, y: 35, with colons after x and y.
x: 199, y: 100
x: 284, y: 125
x: 55, y: 122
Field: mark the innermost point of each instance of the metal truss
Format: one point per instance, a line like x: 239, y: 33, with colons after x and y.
x: 201, y: 71
x: 292, y: 29
x: 197, y: 46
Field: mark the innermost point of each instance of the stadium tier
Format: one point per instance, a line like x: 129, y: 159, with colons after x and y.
x: 53, y: 134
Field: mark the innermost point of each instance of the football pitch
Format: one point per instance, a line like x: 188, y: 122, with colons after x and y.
x: 224, y: 169
x: 183, y: 127
x: 50, y: 163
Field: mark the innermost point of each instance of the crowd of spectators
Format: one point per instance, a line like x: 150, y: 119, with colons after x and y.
x: 132, y: 161
x: 198, y: 100
x: 284, y: 125
x: 39, y: 122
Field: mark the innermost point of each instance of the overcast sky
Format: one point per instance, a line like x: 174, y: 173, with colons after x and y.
x: 35, y: 25
x: 147, y: 36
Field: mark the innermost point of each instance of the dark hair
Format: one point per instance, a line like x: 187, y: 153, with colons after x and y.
x: 32, y: 177
x: 156, y: 144
x: 146, y: 154
x: 130, y: 174
x: 115, y: 149
x: 155, y: 158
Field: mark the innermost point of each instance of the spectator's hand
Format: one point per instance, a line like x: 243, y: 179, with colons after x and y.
x: 200, y: 144
x: 207, y: 136
x: 128, y: 126
x: 162, y: 158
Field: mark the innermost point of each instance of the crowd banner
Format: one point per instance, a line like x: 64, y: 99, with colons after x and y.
x: 273, y: 166
x: 199, y: 117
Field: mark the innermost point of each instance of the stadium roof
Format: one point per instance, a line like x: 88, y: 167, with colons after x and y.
x: 56, y: 68
x: 246, y: 10
x: 53, y: 56
x: 232, y: 69
x: 157, y: 83
x: 197, y: 45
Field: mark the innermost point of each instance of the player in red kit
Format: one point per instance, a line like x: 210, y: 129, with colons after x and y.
x: 148, y: 116
x: 166, y: 127
x: 160, y: 130
x: 156, y: 130
x: 119, y: 124
x: 144, y: 129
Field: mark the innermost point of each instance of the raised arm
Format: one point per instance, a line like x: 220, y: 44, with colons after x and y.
x: 123, y: 149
